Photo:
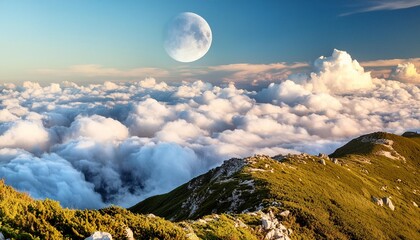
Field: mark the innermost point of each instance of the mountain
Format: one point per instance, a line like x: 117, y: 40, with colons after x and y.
x: 369, y: 187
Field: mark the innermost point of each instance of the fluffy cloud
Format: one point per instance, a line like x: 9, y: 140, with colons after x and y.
x: 338, y: 74
x: 98, y: 128
x: 406, y: 72
x: 120, y: 142
x: 48, y: 177
x: 27, y: 135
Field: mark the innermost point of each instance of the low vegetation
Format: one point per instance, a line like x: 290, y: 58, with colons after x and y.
x: 331, y: 201
x: 314, y: 197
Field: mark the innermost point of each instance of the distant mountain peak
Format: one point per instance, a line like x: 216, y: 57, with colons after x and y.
x: 383, y: 144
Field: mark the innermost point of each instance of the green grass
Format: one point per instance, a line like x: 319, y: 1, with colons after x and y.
x: 331, y: 201
x: 21, y: 217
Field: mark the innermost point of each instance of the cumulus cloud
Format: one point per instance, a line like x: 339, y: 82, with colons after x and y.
x: 384, y: 68
x: 339, y: 74
x: 28, y: 135
x: 47, y: 177
x: 120, y: 142
x: 98, y: 128
x: 406, y: 72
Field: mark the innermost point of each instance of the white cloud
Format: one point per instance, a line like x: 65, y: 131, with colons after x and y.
x: 385, y: 5
x: 406, y: 72
x: 48, y: 177
x: 98, y: 128
x: 338, y: 74
x: 119, y: 142
x: 27, y: 135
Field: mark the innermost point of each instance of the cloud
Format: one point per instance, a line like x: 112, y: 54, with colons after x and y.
x: 256, y: 73
x: 48, y: 177
x: 119, y: 142
x: 406, y: 72
x: 241, y: 73
x: 94, y: 70
x: 385, y: 5
x: 339, y: 74
x: 98, y: 128
x: 384, y: 68
x: 28, y: 135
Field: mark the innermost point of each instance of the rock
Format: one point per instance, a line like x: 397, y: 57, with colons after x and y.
x: 239, y: 223
x: 1, y: 236
x: 100, y: 236
x: 275, y: 230
x: 150, y: 215
x: 285, y: 213
x: 377, y: 201
x: 323, y: 155
x: 335, y: 160
x: 383, y: 188
x: 415, y: 204
x: 398, y: 180
x: 276, y: 234
x: 322, y: 161
x: 192, y: 236
x: 387, y: 202
x: 129, y: 233
x: 268, y: 223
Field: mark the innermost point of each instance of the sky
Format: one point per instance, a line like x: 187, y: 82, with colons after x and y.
x: 94, y: 112
x: 40, y: 39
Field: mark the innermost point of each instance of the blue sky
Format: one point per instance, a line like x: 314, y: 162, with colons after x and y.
x: 48, y: 34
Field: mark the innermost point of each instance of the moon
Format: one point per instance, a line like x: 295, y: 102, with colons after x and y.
x: 188, y: 37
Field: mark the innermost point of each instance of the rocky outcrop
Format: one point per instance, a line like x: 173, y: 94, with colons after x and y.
x: 129, y: 233
x: 100, y: 236
x: 377, y: 201
x: 273, y: 228
x: 387, y: 202
x: 285, y: 213
x: 192, y: 236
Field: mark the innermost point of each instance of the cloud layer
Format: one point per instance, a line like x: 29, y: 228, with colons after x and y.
x: 118, y: 143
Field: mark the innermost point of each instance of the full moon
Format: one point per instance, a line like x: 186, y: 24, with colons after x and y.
x: 188, y: 37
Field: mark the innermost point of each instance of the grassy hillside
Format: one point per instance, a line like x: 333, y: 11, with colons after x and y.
x: 22, y: 217
x: 332, y: 201
x: 304, y: 196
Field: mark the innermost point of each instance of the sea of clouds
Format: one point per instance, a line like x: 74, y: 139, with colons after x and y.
x: 118, y: 143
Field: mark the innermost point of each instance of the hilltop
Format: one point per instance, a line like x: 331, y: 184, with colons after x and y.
x: 368, y: 187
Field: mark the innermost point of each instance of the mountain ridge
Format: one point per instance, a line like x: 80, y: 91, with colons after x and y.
x: 351, y: 194
x: 328, y: 196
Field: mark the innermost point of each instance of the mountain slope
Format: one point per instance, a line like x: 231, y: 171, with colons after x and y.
x: 22, y: 217
x: 326, y: 198
x: 385, y: 144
